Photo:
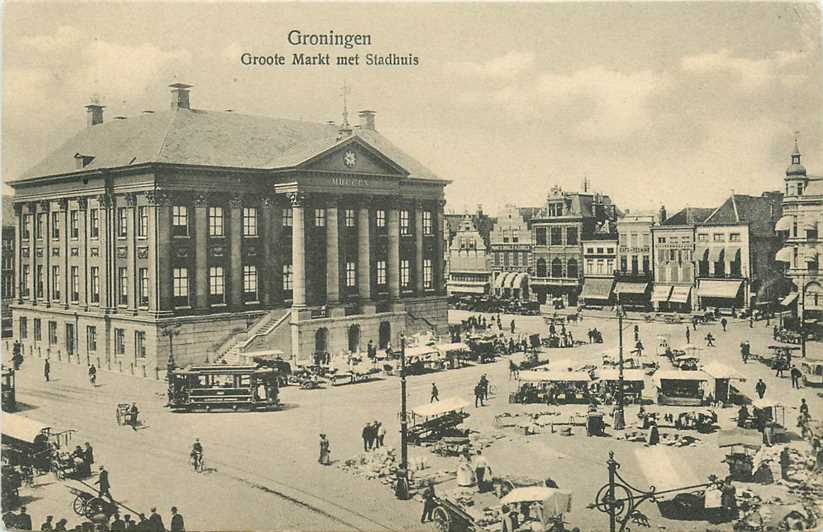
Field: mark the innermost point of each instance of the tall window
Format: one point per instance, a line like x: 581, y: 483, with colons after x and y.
x: 38, y: 281
x: 427, y: 223
x: 122, y: 222
x: 94, y: 223
x: 557, y: 268
x: 380, y: 217
x: 52, y: 333
x: 571, y: 269
x: 55, y: 283
x: 623, y: 263
x: 119, y: 341
x: 351, y: 275
x: 94, y: 278
x: 249, y: 221
x: 540, y: 236
x: 381, y: 273
x: 216, y: 221
x: 320, y: 217
x: 634, y: 264
x: 288, y: 269
x: 571, y: 236
x: 139, y: 344
x: 74, y: 224
x: 288, y: 217
x: 25, y: 277
x: 349, y: 216
x: 26, y: 230
x: 250, y: 282
x: 645, y: 264
x: 556, y: 236
x: 405, y: 272
x: 75, y: 284
x: 142, y: 222
x: 91, y: 338
x: 179, y: 220
x: 38, y: 332
x: 216, y: 284
x: 41, y: 226
x: 24, y: 327
x: 181, y: 286
x: 143, y: 287
x: 404, y: 222
x: 427, y: 273
x: 55, y: 225
x: 123, y: 286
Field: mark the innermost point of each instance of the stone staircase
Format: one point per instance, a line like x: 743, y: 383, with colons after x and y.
x: 230, y: 350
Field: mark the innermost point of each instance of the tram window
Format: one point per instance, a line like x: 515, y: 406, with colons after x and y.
x: 202, y: 380
x: 245, y: 381
x: 223, y: 381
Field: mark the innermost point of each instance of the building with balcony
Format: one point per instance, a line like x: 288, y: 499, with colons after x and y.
x: 567, y: 219
x: 469, y: 272
x: 213, y: 233
x: 800, y: 226
x: 510, y: 253
x: 674, y: 247
x: 734, y: 247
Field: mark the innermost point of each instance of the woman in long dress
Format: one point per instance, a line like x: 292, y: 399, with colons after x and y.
x: 325, y: 450
x: 465, y: 473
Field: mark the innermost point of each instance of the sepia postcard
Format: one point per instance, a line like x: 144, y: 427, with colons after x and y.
x: 454, y: 266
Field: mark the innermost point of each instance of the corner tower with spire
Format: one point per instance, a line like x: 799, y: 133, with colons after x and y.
x: 796, y: 178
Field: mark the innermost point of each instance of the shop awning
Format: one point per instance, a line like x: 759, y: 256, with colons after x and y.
x: 597, y: 289
x: 500, y: 279
x: 784, y: 224
x: 679, y: 375
x: 450, y: 404
x: 733, y: 253
x: 624, y: 287
x: 789, y: 299
x: 726, y: 289
x: 722, y: 371
x: 810, y: 255
x: 680, y: 294
x: 809, y: 224
x: 785, y: 255
x: 517, y: 280
x: 661, y: 293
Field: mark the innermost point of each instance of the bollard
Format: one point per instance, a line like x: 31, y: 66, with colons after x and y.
x: 108, y: 364
x: 120, y: 366
x: 156, y: 373
x: 60, y: 355
x: 98, y: 362
x: 144, y: 371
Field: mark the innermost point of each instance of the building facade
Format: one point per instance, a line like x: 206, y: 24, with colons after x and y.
x: 634, y: 274
x: 7, y: 280
x: 800, y: 226
x: 599, y: 264
x: 469, y: 272
x: 510, y: 254
x: 211, y: 233
x: 567, y: 219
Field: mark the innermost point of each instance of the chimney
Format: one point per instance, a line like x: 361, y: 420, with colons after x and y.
x: 662, y: 214
x: 180, y: 96
x: 367, y: 120
x: 94, y: 114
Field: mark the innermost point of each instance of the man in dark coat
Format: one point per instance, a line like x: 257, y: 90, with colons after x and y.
x: 88, y: 454
x: 429, y: 502
x: 23, y: 521
x: 47, y: 369
x: 117, y: 525
x: 795, y: 374
x: 103, y: 484
x: 156, y: 521
x: 366, y: 433
x: 177, y: 524
x: 760, y: 388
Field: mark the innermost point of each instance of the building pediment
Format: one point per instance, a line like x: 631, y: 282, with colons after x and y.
x: 354, y: 156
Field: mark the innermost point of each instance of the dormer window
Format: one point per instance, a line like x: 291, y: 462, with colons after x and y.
x: 82, y: 161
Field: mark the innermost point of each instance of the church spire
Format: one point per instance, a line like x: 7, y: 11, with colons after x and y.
x: 345, y: 127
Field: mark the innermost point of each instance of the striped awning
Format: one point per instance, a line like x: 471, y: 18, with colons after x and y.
x: 516, y: 280
x: 680, y: 294
x: 661, y: 293
x: 716, y: 254
x: 784, y: 223
x: 785, y: 255
x: 733, y: 253
x: 725, y: 289
x: 597, y: 289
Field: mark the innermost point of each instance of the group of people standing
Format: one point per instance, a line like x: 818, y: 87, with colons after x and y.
x: 152, y: 523
x: 373, y: 434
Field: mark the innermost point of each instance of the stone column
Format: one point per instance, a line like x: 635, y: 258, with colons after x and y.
x: 364, y: 253
x: 200, y: 275
x: 103, y: 223
x: 418, y: 247
x: 298, y: 250
x: 151, y: 242
x: 267, y: 267
x: 163, y: 275
x: 236, y: 250
x: 332, y: 253
x: 131, y: 246
x: 83, y: 205
x: 33, y: 252
x: 44, y: 208
x: 394, y: 251
x: 438, y: 275
x: 18, y: 252
x: 278, y: 253
x: 64, y: 264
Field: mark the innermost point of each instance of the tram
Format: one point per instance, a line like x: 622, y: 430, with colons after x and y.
x: 223, y: 387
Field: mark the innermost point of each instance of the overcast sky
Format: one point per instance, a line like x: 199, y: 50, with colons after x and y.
x: 655, y: 102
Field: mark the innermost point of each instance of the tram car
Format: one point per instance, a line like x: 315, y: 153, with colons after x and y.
x: 9, y: 398
x: 223, y: 387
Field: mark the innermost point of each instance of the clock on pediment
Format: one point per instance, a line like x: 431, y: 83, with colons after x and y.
x: 349, y: 158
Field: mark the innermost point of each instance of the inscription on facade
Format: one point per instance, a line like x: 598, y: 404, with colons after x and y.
x: 217, y: 251
x: 349, y: 182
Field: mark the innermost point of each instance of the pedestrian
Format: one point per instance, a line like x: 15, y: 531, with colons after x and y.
x: 46, y: 369
x: 118, y: 525
x: 760, y: 388
x: 483, y: 472
x: 128, y: 523
x: 88, y: 454
x: 429, y: 502
x: 709, y: 340
x: 751, y: 322
x: 639, y: 348
x: 23, y: 521
x: 589, y: 335
x: 478, y: 395
x: 484, y: 385
x: 723, y: 323
x: 688, y: 338
x: 156, y: 522
x: 636, y: 333
x: 47, y: 525
x: 694, y: 323
x: 745, y: 348
x: 92, y: 375
x: 375, y: 428
x: 513, y: 370
x: 795, y: 374
x: 325, y: 451
x: 103, y: 484
x: 143, y: 523
x: 512, y: 326
x: 804, y: 408
x: 61, y: 525
x: 435, y: 394
x: 381, y: 434
x: 133, y: 413
x: 778, y: 371
x: 365, y: 433
x: 177, y: 523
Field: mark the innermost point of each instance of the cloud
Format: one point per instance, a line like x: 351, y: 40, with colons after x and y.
x: 506, y: 66
x: 748, y: 74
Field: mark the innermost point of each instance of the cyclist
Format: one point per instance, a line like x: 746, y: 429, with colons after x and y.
x: 196, y: 454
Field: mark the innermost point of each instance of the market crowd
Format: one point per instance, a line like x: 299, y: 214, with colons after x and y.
x: 153, y: 523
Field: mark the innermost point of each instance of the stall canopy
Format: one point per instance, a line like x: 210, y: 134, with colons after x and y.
x: 624, y: 287
x: 809, y: 224
x: 597, y: 289
x: 784, y: 255
x: 715, y: 253
x: 555, y: 501
x: 784, y: 223
x: 789, y: 299
x: 554, y: 376
x: 737, y: 436
x: 722, y: 371
x: 22, y: 428
x: 448, y: 348
x: 630, y: 375
x: 661, y: 293
x: 500, y: 280
x: 680, y: 294
x: 679, y: 375
x: 516, y: 280
x: 449, y: 404
x: 726, y: 289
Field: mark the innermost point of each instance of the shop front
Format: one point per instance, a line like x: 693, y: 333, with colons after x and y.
x: 633, y: 295
x: 597, y: 293
x: 660, y: 296
x: 721, y: 294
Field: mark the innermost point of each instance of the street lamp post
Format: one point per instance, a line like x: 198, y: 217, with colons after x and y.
x: 619, y: 415
x: 401, y: 489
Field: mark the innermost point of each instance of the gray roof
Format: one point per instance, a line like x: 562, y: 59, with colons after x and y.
x: 210, y: 138
x: 8, y: 211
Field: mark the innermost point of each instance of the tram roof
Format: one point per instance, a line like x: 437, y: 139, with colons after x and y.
x: 223, y: 369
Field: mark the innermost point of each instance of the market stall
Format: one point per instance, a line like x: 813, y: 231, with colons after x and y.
x: 423, y: 358
x: 535, y: 386
x: 742, y: 444
x: 723, y: 375
x: 681, y: 388
x: 433, y: 421
x: 633, y: 383
x: 453, y: 354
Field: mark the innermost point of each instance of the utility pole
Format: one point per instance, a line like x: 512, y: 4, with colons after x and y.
x: 619, y: 415
x: 401, y: 490
x: 803, y: 315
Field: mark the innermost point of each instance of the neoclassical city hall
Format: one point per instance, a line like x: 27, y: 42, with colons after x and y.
x: 215, y: 233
